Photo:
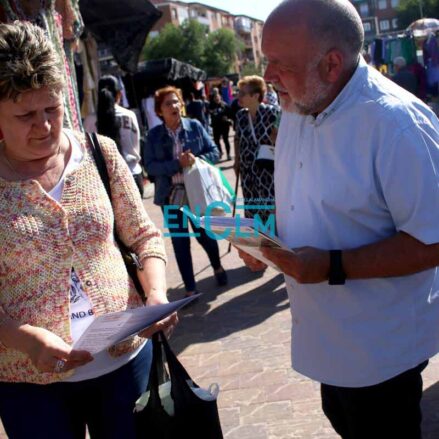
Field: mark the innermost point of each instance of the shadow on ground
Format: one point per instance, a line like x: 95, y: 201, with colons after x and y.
x: 201, y: 323
x: 430, y: 412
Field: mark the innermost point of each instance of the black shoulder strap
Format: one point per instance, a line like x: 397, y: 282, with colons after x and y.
x: 100, y: 161
x: 130, y: 259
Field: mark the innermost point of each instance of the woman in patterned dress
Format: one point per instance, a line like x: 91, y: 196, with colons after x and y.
x: 255, y: 125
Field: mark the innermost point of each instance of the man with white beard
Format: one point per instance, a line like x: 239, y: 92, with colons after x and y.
x: 357, y: 198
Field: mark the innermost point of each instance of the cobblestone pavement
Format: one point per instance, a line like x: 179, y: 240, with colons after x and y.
x: 239, y: 337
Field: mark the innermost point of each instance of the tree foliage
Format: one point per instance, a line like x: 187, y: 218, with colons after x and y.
x: 214, y: 52
x: 168, y: 43
x: 193, y: 39
x: 250, y: 68
x: 409, y: 11
x: 220, y: 52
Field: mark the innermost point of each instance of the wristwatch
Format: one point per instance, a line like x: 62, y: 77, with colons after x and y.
x: 337, y: 276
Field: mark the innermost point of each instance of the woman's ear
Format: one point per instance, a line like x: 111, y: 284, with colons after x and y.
x: 1, y: 134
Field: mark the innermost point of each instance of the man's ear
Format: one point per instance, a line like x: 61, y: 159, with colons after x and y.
x: 332, y: 66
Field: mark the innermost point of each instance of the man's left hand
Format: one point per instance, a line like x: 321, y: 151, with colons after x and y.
x: 307, y: 265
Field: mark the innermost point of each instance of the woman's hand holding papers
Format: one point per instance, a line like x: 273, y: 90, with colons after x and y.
x: 305, y: 265
x: 167, y: 325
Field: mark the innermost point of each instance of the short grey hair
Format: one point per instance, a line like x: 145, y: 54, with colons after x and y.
x: 400, y: 61
x: 28, y: 61
x: 331, y: 23
x: 337, y: 22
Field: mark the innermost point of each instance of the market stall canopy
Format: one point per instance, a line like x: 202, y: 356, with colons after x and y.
x: 122, y: 25
x: 423, y: 26
x: 170, y: 69
x: 158, y: 73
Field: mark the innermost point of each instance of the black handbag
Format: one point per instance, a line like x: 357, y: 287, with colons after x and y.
x: 193, y: 417
x: 130, y: 259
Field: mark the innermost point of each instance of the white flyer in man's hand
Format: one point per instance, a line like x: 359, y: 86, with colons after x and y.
x: 109, y: 329
x: 245, y: 233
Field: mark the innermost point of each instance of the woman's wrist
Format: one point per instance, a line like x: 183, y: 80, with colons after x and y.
x: 156, y: 296
x: 14, y: 334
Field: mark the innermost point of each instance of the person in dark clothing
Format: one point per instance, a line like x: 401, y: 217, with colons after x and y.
x: 234, y: 108
x: 404, y: 77
x: 196, y: 109
x: 220, y: 120
x: 419, y: 71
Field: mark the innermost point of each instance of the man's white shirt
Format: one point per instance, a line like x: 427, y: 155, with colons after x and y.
x: 363, y: 170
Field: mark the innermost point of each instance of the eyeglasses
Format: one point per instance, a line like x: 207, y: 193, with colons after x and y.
x: 171, y: 103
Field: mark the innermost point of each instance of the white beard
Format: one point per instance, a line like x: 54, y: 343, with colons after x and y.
x: 316, y: 93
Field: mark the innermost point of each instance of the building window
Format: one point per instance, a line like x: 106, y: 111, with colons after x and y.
x: 367, y: 27
x: 382, y: 4
x: 174, y: 14
x: 395, y: 23
x: 384, y: 25
x: 364, y: 9
x: 395, y: 3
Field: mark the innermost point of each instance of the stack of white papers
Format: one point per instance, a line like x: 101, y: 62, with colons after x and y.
x: 245, y: 234
x: 109, y: 329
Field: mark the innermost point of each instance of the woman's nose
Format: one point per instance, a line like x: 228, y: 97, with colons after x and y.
x: 42, y: 120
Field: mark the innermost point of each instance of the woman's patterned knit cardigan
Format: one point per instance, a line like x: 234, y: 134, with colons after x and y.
x: 41, y: 240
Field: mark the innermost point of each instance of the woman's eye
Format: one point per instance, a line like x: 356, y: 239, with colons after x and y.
x: 24, y: 116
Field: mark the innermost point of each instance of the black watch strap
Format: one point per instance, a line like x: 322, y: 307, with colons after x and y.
x: 337, y: 276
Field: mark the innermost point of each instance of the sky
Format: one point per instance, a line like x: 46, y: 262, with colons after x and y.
x: 253, y: 8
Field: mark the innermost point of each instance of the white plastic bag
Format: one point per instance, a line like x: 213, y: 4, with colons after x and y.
x: 204, y: 187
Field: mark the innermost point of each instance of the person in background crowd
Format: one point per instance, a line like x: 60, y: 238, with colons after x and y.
x: 152, y: 120
x: 196, y: 109
x: 213, y: 93
x: 60, y: 266
x: 221, y: 122
x: 234, y: 107
x: 255, y: 126
x: 421, y: 78
x: 226, y: 91
x: 270, y: 97
x: 118, y: 123
x: 359, y: 208
x: 169, y: 149
x: 403, y: 76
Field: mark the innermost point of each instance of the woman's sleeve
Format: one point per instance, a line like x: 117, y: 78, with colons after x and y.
x: 209, y: 150
x: 156, y: 167
x: 133, y: 225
